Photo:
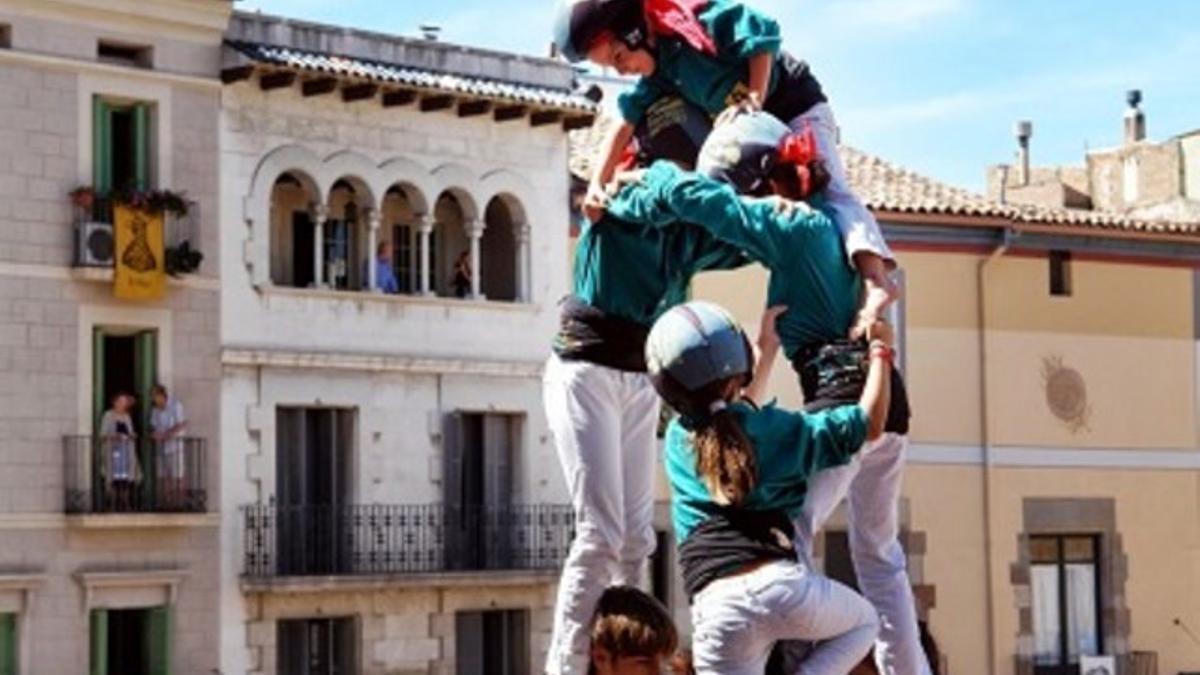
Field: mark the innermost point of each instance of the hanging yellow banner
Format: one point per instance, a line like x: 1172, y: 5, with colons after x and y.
x: 141, y: 268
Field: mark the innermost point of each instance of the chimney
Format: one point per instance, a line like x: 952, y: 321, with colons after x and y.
x: 1135, y: 120
x: 430, y: 32
x: 1023, y: 131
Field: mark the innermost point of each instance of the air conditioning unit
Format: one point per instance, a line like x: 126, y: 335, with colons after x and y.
x: 94, y: 244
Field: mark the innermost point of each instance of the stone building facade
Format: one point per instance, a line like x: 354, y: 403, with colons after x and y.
x: 397, y: 431
x: 90, y: 580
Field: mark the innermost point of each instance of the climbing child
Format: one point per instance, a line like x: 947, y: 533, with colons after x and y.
x: 724, y: 57
x: 738, y: 474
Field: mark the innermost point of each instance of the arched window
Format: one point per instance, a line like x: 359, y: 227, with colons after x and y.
x: 449, y: 248
x: 498, y: 271
x: 292, y: 230
x: 399, y: 229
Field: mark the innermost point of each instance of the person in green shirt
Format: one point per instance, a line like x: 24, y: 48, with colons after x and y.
x: 738, y: 474
x: 600, y: 405
x: 724, y: 57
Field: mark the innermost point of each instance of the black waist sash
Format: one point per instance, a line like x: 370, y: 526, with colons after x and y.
x: 589, y: 334
x: 732, y: 540
x: 834, y: 373
x: 796, y: 92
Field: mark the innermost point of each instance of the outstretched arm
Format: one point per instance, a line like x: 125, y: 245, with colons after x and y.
x: 768, y: 350
x: 606, y: 162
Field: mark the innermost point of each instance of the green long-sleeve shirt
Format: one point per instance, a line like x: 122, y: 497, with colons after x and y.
x: 789, y: 447
x: 802, y: 249
x: 634, y: 270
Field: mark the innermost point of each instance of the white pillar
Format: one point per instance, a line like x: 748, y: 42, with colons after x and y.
x: 425, y: 229
x: 475, y: 231
x: 320, y: 214
x: 373, y: 221
x: 524, y: 291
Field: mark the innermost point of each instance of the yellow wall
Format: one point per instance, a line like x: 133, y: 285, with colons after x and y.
x: 1126, y: 329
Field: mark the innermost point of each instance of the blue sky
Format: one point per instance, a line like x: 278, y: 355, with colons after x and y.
x: 934, y: 85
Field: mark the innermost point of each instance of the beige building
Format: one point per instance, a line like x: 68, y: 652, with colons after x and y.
x: 107, y: 544
x: 1052, y: 496
x: 1053, y: 486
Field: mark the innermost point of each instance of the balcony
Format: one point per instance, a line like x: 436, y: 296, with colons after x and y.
x: 390, y: 540
x: 114, y: 475
x: 95, y: 242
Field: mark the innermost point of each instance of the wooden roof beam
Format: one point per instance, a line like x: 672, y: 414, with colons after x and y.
x: 398, y: 97
x: 359, y: 92
x: 280, y: 79
x: 544, y: 117
x: 474, y: 108
x: 578, y: 122
x: 236, y: 74
x: 318, y: 85
x: 507, y: 113
x: 435, y: 102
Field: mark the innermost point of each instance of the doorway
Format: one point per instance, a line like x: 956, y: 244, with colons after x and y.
x: 124, y: 360
x: 314, y: 464
x: 131, y: 641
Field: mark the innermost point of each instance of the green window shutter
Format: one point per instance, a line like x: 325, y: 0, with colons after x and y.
x: 158, y: 641
x: 8, y: 644
x: 101, y: 145
x: 98, y: 402
x: 99, y: 621
x: 141, y: 145
x: 145, y: 374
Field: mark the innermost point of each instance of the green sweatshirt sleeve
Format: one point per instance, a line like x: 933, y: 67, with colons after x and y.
x: 739, y: 31
x: 830, y: 438
x: 633, y: 103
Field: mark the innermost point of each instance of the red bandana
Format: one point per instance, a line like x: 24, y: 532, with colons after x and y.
x: 677, y: 18
x: 800, y: 150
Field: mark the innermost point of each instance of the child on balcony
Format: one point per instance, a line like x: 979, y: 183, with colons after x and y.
x: 724, y: 57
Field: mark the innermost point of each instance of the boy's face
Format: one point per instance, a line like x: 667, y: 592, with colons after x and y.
x: 607, y: 664
x: 612, y: 53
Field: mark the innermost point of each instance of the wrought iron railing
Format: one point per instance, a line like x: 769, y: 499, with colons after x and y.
x: 115, y: 474
x: 374, y: 539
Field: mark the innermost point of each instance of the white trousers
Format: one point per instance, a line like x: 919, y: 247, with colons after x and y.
x: 871, y: 484
x: 737, y: 620
x: 860, y: 231
x: 604, y: 422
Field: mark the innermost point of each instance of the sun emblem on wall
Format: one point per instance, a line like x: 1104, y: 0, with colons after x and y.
x: 1066, y: 394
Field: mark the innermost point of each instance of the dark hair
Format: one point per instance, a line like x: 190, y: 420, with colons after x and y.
x: 159, y: 389
x: 784, y: 179
x: 629, y: 622
x: 725, y: 457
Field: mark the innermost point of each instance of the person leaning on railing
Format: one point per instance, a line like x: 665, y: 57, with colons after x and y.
x: 168, y: 423
x: 118, y: 454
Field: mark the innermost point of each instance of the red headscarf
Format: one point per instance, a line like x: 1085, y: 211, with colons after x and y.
x: 800, y: 149
x: 678, y: 18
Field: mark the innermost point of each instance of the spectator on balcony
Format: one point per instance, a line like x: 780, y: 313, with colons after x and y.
x: 462, y: 275
x: 168, y: 423
x: 118, y: 452
x: 385, y: 275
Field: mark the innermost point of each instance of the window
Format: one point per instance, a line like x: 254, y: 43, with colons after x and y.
x: 8, y: 644
x: 477, y: 489
x: 317, y: 647
x: 1060, y: 273
x: 493, y: 642
x: 314, y: 448
x: 838, y: 564
x: 131, y: 641
x: 5, y: 43
x: 1065, y: 580
x: 121, y: 136
x: 119, y: 54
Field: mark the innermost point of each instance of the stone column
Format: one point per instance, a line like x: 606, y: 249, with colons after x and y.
x: 320, y: 214
x: 425, y: 229
x: 475, y: 232
x: 524, y: 291
x: 373, y: 220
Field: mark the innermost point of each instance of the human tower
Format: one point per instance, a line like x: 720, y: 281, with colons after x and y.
x: 725, y: 155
